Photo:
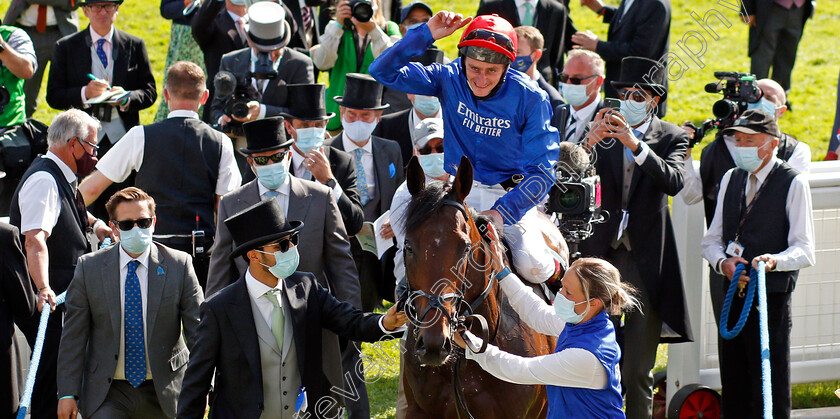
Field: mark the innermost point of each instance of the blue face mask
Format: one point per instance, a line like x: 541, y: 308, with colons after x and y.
x: 634, y: 112
x: 565, y: 309
x: 309, y: 138
x: 575, y: 94
x: 764, y: 105
x: 285, y: 263
x: 136, y: 240
x: 272, y: 175
x: 746, y: 158
x: 358, y: 130
x: 427, y: 105
x: 238, y: 2
x: 432, y: 164
x: 522, y: 63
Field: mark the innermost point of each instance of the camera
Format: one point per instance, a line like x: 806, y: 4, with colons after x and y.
x: 264, y: 67
x: 739, y: 90
x: 5, y: 97
x: 576, y: 198
x: 235, y: 94
x: 361, y: 10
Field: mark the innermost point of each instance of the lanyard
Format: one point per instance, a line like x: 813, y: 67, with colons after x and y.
x: 745, y: 214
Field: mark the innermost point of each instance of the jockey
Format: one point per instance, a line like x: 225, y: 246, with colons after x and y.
x: 494, y: 115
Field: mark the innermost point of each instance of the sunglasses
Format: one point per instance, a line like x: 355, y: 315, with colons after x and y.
x: 494, y: 37
x: 285, y: 243
x: 126, y: 225
x: 274, y: 158
x: 635, y: 95
x: 564, y: 78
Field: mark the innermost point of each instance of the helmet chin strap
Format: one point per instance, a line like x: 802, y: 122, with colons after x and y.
x: 492, y: 92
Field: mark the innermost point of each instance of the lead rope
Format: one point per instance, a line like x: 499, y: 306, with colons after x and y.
x: 757, y: 279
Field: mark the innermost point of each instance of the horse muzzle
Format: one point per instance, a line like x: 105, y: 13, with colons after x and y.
x: 432, y: 349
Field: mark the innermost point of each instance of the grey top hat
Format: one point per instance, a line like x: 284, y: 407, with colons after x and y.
x: 267, y: 26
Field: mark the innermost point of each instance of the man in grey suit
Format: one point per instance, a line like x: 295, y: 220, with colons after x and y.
x: 122, y: 354
x: 45, y: 21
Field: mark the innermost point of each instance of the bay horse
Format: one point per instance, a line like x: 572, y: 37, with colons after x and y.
x: 449, y: 274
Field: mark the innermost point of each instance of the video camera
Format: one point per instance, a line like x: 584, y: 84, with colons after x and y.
x: 235, y: 94
x: 739, y: 90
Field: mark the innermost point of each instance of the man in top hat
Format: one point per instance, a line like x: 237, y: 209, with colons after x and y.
x: 204, y: 162
x: 640, y: 161
x: 98, y: 60
x: 306, y: 123
x: 399, y: 125
x: 265, y: 67
x: 761, y: 191
x: 496, y: 117
x: 262, y: 335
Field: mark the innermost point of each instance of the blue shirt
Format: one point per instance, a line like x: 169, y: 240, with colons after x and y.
x: 505, y: 135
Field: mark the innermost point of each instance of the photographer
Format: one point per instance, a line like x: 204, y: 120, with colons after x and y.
x: 17, y: 55
x: 640, y: 161
x: 350, y: 43
x: 781, y: 234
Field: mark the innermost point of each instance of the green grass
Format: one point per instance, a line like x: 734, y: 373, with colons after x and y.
x: 813, y: 96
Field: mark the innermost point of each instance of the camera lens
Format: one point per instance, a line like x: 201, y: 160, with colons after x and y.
x: 362, y: 11
x: 570, y: 199
x: 240, y: 110
x: 725, y: 108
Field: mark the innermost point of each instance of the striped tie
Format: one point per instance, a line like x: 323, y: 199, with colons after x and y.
x: 570, y: 132
x: 361, y: 176
x: 135, y: 348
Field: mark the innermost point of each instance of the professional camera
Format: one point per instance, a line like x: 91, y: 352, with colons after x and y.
x: 235, y: 95
x: 361, y: 10
x: 739, y: 90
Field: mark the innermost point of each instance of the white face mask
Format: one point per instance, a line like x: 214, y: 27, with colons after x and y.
x: 575, y: 94
x: 358, y: 130
x: 765, y: 105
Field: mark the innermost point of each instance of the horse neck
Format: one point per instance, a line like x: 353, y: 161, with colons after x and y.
x: 489, y: 308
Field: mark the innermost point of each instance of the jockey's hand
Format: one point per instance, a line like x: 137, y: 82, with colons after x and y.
x: 445, y: 23
x: 497, y: 250
x: 494, y: 215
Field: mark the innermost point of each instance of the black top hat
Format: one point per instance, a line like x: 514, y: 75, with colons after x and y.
x: 307, y: 102
x: 431, y: 55
x: 90, y: 2
x: 265, y: 135
x: 644, y: 73
x: 361, y: 91
x: 258, y: 225
x: 755, y: 121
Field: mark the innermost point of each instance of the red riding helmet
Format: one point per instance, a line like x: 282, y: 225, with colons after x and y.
x: 493, y: 33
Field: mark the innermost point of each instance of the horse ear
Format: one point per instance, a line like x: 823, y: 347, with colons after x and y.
x: 415, y: 178
x: 463, y: 179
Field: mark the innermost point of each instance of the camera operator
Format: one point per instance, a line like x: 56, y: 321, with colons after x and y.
x: 640, y: 161
x: 719, y: 156
x: 781, y: 234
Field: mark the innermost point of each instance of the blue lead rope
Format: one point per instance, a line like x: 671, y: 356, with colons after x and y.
x: 757, y: 280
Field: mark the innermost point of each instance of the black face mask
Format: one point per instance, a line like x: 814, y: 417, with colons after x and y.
x: 86, y: 163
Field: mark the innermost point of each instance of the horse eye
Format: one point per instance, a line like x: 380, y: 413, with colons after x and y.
x: 407, y: 248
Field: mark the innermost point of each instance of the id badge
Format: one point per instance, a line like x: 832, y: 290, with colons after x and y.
x: 734, y: 249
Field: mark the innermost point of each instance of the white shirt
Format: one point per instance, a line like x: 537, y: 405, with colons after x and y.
x: 367, y: 162
x: 127, y: 156
x: 520, y: 8
x: 692, y: 192
x: 300, y: 171
x: 415, y: 117
x: 582, y: 118
x: 29, y: 17
x: 573, y: 367
x: 800, y: 251
x: 38, y: 198
x: 143, y: 277
x: 108, y: 47
x: 257, y: 290
x: 282, y: 198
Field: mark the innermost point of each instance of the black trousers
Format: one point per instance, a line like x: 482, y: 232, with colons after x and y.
x: 45, y: 393
x: 777, y: 42
x: 740, y: 360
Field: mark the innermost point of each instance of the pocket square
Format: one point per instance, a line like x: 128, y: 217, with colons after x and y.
x: 392, y: 169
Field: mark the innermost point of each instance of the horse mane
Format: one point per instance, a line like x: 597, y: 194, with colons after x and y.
x: 428, y: 202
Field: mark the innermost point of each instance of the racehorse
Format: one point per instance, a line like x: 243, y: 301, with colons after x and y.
x: 450, y: 273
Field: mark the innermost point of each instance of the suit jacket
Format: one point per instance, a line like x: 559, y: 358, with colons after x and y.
x: 388, y: 163
x: 554, y: 96
x: 17, y: 298
x: 323, y: 246
x: 762, y: 9
x: 227, y: 343
x: 395, y: 127
x: 550, y: 18
x: 71, y: 63
x: 64, y: 13
x: 344, y: 171
x: 649, y: 226
x: 90, y: 342
x: 561, y: 118
x: 295, y: 68
x: 641, y: 32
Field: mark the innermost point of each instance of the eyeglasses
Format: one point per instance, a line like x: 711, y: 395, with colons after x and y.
x: 275, y: 158
x: 126, y: 225
x: 635, y: 95
x: 96, y: 8
x: 286, y: 243
x: 94, y: 146
x: 564, y: 78
x: 494, y: 37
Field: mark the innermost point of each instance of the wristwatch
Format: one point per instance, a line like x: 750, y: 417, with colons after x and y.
x: 331, y: 183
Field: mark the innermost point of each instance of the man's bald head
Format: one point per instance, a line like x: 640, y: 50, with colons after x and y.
x: 775, y: 93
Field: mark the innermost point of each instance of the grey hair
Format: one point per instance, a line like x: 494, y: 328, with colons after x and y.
x: 72, y: 123
x: 594, y: 59
x: 601, y: 280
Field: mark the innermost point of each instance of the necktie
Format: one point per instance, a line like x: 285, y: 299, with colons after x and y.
x: 304, y: 173
x: 100, y: 52
x: 270, y: 194
x: 570, y: 132
x: 753, y: 181
x: 135, y: 349
x: 240, y: 27
x: 361, y: 176
x: 277, y: 319
x: 306, y: 17
x: 41, y: 23
x: 528, y: 18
